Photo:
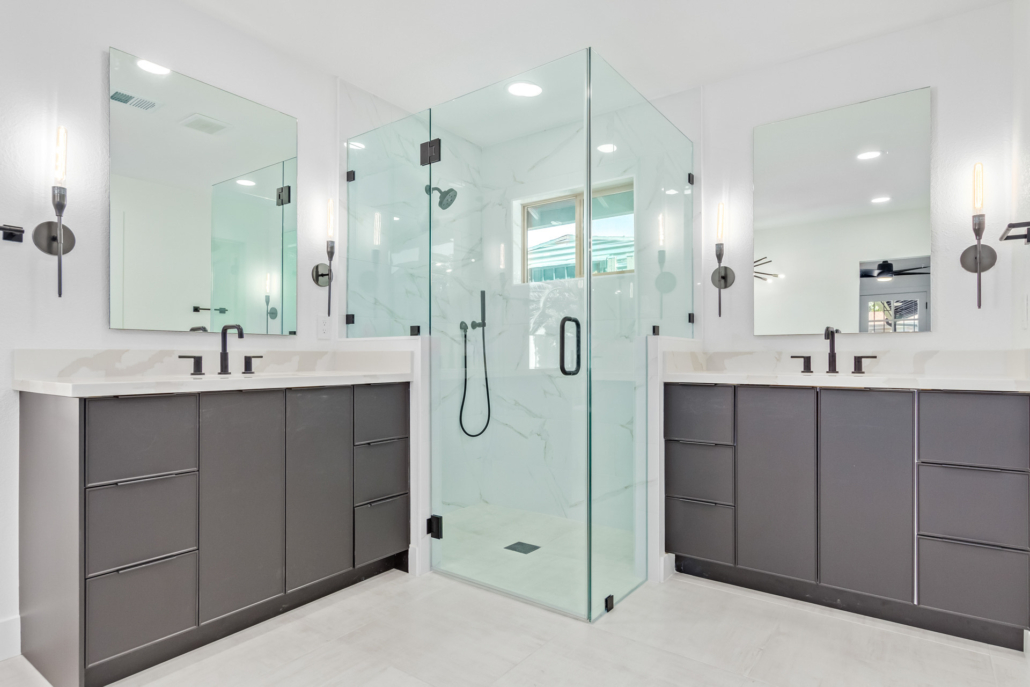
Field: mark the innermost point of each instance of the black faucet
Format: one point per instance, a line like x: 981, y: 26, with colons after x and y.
x: 225, y: 346
x: 830, y: 335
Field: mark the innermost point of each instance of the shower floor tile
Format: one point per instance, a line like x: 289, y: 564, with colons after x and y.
x: 476, y: 547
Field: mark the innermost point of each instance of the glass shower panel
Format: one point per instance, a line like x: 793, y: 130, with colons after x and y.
x: 388, y: 230
x: 247, y: 252
x: 642, y: 240
x: 510, y: 454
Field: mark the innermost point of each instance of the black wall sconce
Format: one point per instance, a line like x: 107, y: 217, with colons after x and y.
x: 322, y: 273
x: 979, y: 258
x: 54, y: 238
x: 722, y: 277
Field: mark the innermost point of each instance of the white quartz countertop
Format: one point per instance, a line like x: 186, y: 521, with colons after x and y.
x: 852, y: 381
x: 86, y: 387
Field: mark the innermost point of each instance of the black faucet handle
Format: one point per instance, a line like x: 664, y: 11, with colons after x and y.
x: 806, y: 365
x: 858, y: 363
x: 248, y: 363
x: 198, y: 364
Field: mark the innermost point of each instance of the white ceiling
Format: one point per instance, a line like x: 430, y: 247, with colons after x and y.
x: 807, y: 170
x: 417, y: 54
x: 154, y: 146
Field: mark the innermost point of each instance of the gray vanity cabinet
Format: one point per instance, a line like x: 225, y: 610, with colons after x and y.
x: 776, y: 480
x: 242, y: 500
x: 319, y: 484
x: 866, y: 476
x: 381, y: 513
x: 153, y: 525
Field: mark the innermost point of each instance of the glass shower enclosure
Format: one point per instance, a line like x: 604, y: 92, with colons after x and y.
x: 539, y: 249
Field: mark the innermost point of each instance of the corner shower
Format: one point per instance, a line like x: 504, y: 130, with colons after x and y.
x: 565, y: 210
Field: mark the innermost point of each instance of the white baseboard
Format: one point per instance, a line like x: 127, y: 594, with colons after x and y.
x: 10, y: 637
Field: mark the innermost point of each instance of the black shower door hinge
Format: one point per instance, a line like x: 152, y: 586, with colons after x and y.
x: 609, y: 603
x: 434, y: 526
x: 690, y: 317
x: 350, y: 318
x: 430, y: 152
x: 351, y: 176
x: 690, y: 178
x: 282, y: 195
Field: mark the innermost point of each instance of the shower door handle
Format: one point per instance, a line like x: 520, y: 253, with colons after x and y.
x: 561, y: 345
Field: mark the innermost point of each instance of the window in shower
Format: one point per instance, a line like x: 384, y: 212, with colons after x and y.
x: 553, y: 235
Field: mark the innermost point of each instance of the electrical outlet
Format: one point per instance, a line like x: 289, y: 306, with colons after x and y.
x: 322, y: 328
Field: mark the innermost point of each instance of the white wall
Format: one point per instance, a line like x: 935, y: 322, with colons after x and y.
x: 968, y: 61
x: 66, y: 84
x: 1020, y: 186
x: 820, y: 263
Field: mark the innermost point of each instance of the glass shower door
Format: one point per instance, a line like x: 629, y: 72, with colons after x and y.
x: 509, y: 413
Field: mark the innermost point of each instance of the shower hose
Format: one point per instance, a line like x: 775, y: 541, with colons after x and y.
x: 465, y: 386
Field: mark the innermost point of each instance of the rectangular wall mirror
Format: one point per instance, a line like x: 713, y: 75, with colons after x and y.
x: 203, y: 205
x: 842, y: 219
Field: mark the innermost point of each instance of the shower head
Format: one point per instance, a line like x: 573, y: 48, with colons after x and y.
x: 446, y: 197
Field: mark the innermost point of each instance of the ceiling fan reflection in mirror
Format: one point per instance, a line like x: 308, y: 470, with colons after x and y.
x: 885, y: 271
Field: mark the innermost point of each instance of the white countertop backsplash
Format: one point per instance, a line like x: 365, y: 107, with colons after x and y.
x: 946, y: 370
x: 92, y: 373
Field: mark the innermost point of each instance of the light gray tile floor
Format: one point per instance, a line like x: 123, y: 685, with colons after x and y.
x: 401, y: 631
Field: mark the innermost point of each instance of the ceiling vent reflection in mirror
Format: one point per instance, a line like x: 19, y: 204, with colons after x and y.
x: 133, y: 101
x: 204, y: 124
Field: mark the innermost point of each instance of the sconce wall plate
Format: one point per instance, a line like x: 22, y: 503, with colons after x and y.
x: 320, y: 274
x: 44, y: 236
x: 988, y: 258
x: 723, y: 277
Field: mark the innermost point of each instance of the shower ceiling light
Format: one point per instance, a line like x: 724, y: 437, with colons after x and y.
x: 153, y: 68
x: 607, y: 148
x: 244, y: 182
x: 881, y: 199
x: 871, y: 155
x: 525, y: 90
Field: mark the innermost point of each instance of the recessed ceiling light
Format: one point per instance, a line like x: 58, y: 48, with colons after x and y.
x: 671, y: 192
x: 882, y: 199
x: 525, y: 90
x: 871, y: 155
x: 354, y: 145
x: 153, y: 68
x: 607, y: 148
x: 244, y: 182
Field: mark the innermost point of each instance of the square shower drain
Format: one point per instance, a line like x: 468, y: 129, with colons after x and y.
x: 522, y: 547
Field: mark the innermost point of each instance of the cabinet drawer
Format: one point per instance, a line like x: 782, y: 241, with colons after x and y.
x: 128, y: 609
x: 699, y: 413
x: 696, y: 471
x: 130, y: 523
x: 380, y: 470
x: 380, y: 412
x: 988, y: 430
x: 127, y: 438
x: 979, y: 505
x: 699, y: 529
x: 380, y: 530
x: 975, y: 580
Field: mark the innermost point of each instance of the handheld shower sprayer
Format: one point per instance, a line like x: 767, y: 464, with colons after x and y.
x: 486, y: 377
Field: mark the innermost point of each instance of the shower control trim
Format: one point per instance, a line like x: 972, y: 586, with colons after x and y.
x: 561, y: 346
